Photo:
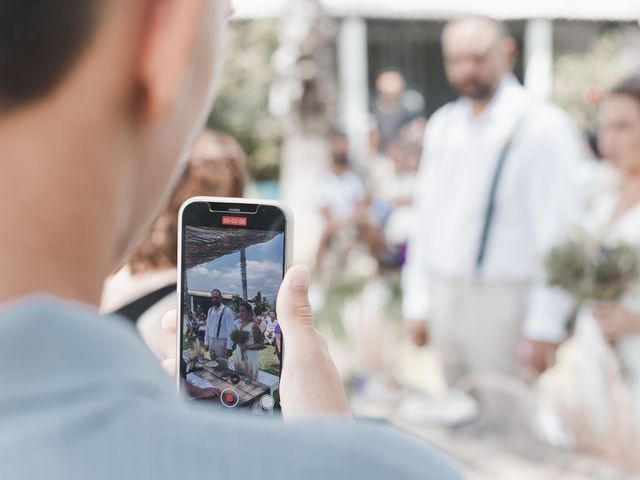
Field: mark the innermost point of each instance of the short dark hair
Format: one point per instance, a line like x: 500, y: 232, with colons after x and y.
x: 630, y: 87
x: 39, y: 42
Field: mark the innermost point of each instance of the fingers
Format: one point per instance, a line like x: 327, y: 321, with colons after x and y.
x: 294, y: 310
x: 170, y: 321
x: 170, y: 366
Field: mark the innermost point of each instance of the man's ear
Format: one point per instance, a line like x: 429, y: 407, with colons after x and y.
x: 510, y: 50
x: 168, y: 40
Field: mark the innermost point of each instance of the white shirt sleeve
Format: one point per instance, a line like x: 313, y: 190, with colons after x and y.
x: 555, y: 150
x: 416, y: 295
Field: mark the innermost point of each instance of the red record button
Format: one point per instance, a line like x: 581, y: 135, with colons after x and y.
x: 229, y: 398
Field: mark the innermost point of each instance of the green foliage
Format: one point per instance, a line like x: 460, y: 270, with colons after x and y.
x: 602, y: 66
x: 588, y: 270
x: 236, y: 300
x: 239, y: 337
x: 260, y: 304
x: 241, y: 108
x: 268, y: 361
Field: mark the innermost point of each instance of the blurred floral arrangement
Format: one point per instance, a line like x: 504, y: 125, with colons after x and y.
x: 239, y: 337
x: 589, y: 270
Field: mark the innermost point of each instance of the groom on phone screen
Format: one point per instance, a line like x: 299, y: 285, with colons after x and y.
x: 220, y: 324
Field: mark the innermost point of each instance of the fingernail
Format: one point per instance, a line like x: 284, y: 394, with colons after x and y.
x: 300, y: 277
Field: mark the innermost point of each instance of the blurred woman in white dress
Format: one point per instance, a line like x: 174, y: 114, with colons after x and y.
x: 604, y: 353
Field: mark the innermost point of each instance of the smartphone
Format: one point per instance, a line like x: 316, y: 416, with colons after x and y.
x: 232, y: 257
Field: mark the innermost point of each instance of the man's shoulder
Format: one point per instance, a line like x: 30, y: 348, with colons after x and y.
x: 542, y: 121
x: 445, y: 111
x: 333, y: 449
x: 163, y: 438
x: 544, y: 111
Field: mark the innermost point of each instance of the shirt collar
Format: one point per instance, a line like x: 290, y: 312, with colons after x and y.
x: 48, y: 345
x: 500, y: 102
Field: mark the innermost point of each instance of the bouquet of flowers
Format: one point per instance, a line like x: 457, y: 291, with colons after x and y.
x: 589, y: 270
x: 239, y: 337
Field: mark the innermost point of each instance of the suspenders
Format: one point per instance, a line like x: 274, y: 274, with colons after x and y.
x: 493, y: 192
x: 219, y: 319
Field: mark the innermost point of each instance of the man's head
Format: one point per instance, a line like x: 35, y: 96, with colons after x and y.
x: 390, y: 85
x: 216, y: 297
x: 478, y: 53
x: 339, y: 146
x: 99, y: 100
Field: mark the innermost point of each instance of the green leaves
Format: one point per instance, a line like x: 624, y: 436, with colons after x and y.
x: 590, y: 270
x: 241, y: 107
x: 239, y: 337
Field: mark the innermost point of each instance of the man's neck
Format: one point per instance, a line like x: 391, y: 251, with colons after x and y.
x: 479, y: 106
x: 53, y: 238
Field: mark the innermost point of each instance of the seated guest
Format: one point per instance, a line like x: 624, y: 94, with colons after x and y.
x: 93, y: 127
x: 269, y: 327
x: 345, y: 207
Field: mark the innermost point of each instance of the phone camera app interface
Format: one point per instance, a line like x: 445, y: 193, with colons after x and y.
x: 231, y: 340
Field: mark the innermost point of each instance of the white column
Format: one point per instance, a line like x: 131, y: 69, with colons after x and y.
x: 305, y: 160
x: 538, y: 56
x: 354, y: 85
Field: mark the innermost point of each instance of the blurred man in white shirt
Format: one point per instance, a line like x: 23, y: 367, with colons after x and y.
x: 494, y: 189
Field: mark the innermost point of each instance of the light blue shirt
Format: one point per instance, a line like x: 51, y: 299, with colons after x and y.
x: 81, y: 397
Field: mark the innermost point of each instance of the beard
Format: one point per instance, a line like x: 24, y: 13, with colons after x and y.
x: 475, y: 89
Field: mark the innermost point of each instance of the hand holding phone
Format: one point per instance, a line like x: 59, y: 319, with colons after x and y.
x: 233, y: 254
x: 310, y: 384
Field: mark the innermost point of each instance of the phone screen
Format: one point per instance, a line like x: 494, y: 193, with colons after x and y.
x: 232, y: 265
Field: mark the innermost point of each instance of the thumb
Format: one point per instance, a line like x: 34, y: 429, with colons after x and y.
x: 294, y: 310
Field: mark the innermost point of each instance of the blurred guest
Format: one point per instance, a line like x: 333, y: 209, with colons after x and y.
x: 278, y: 342
x: 397, y: 190
x: 192, y: 326
x: 394, y: 106
x: 493, y: 189
x: 146, y: 287
x: 344, y: 205
x: 269, y: 327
